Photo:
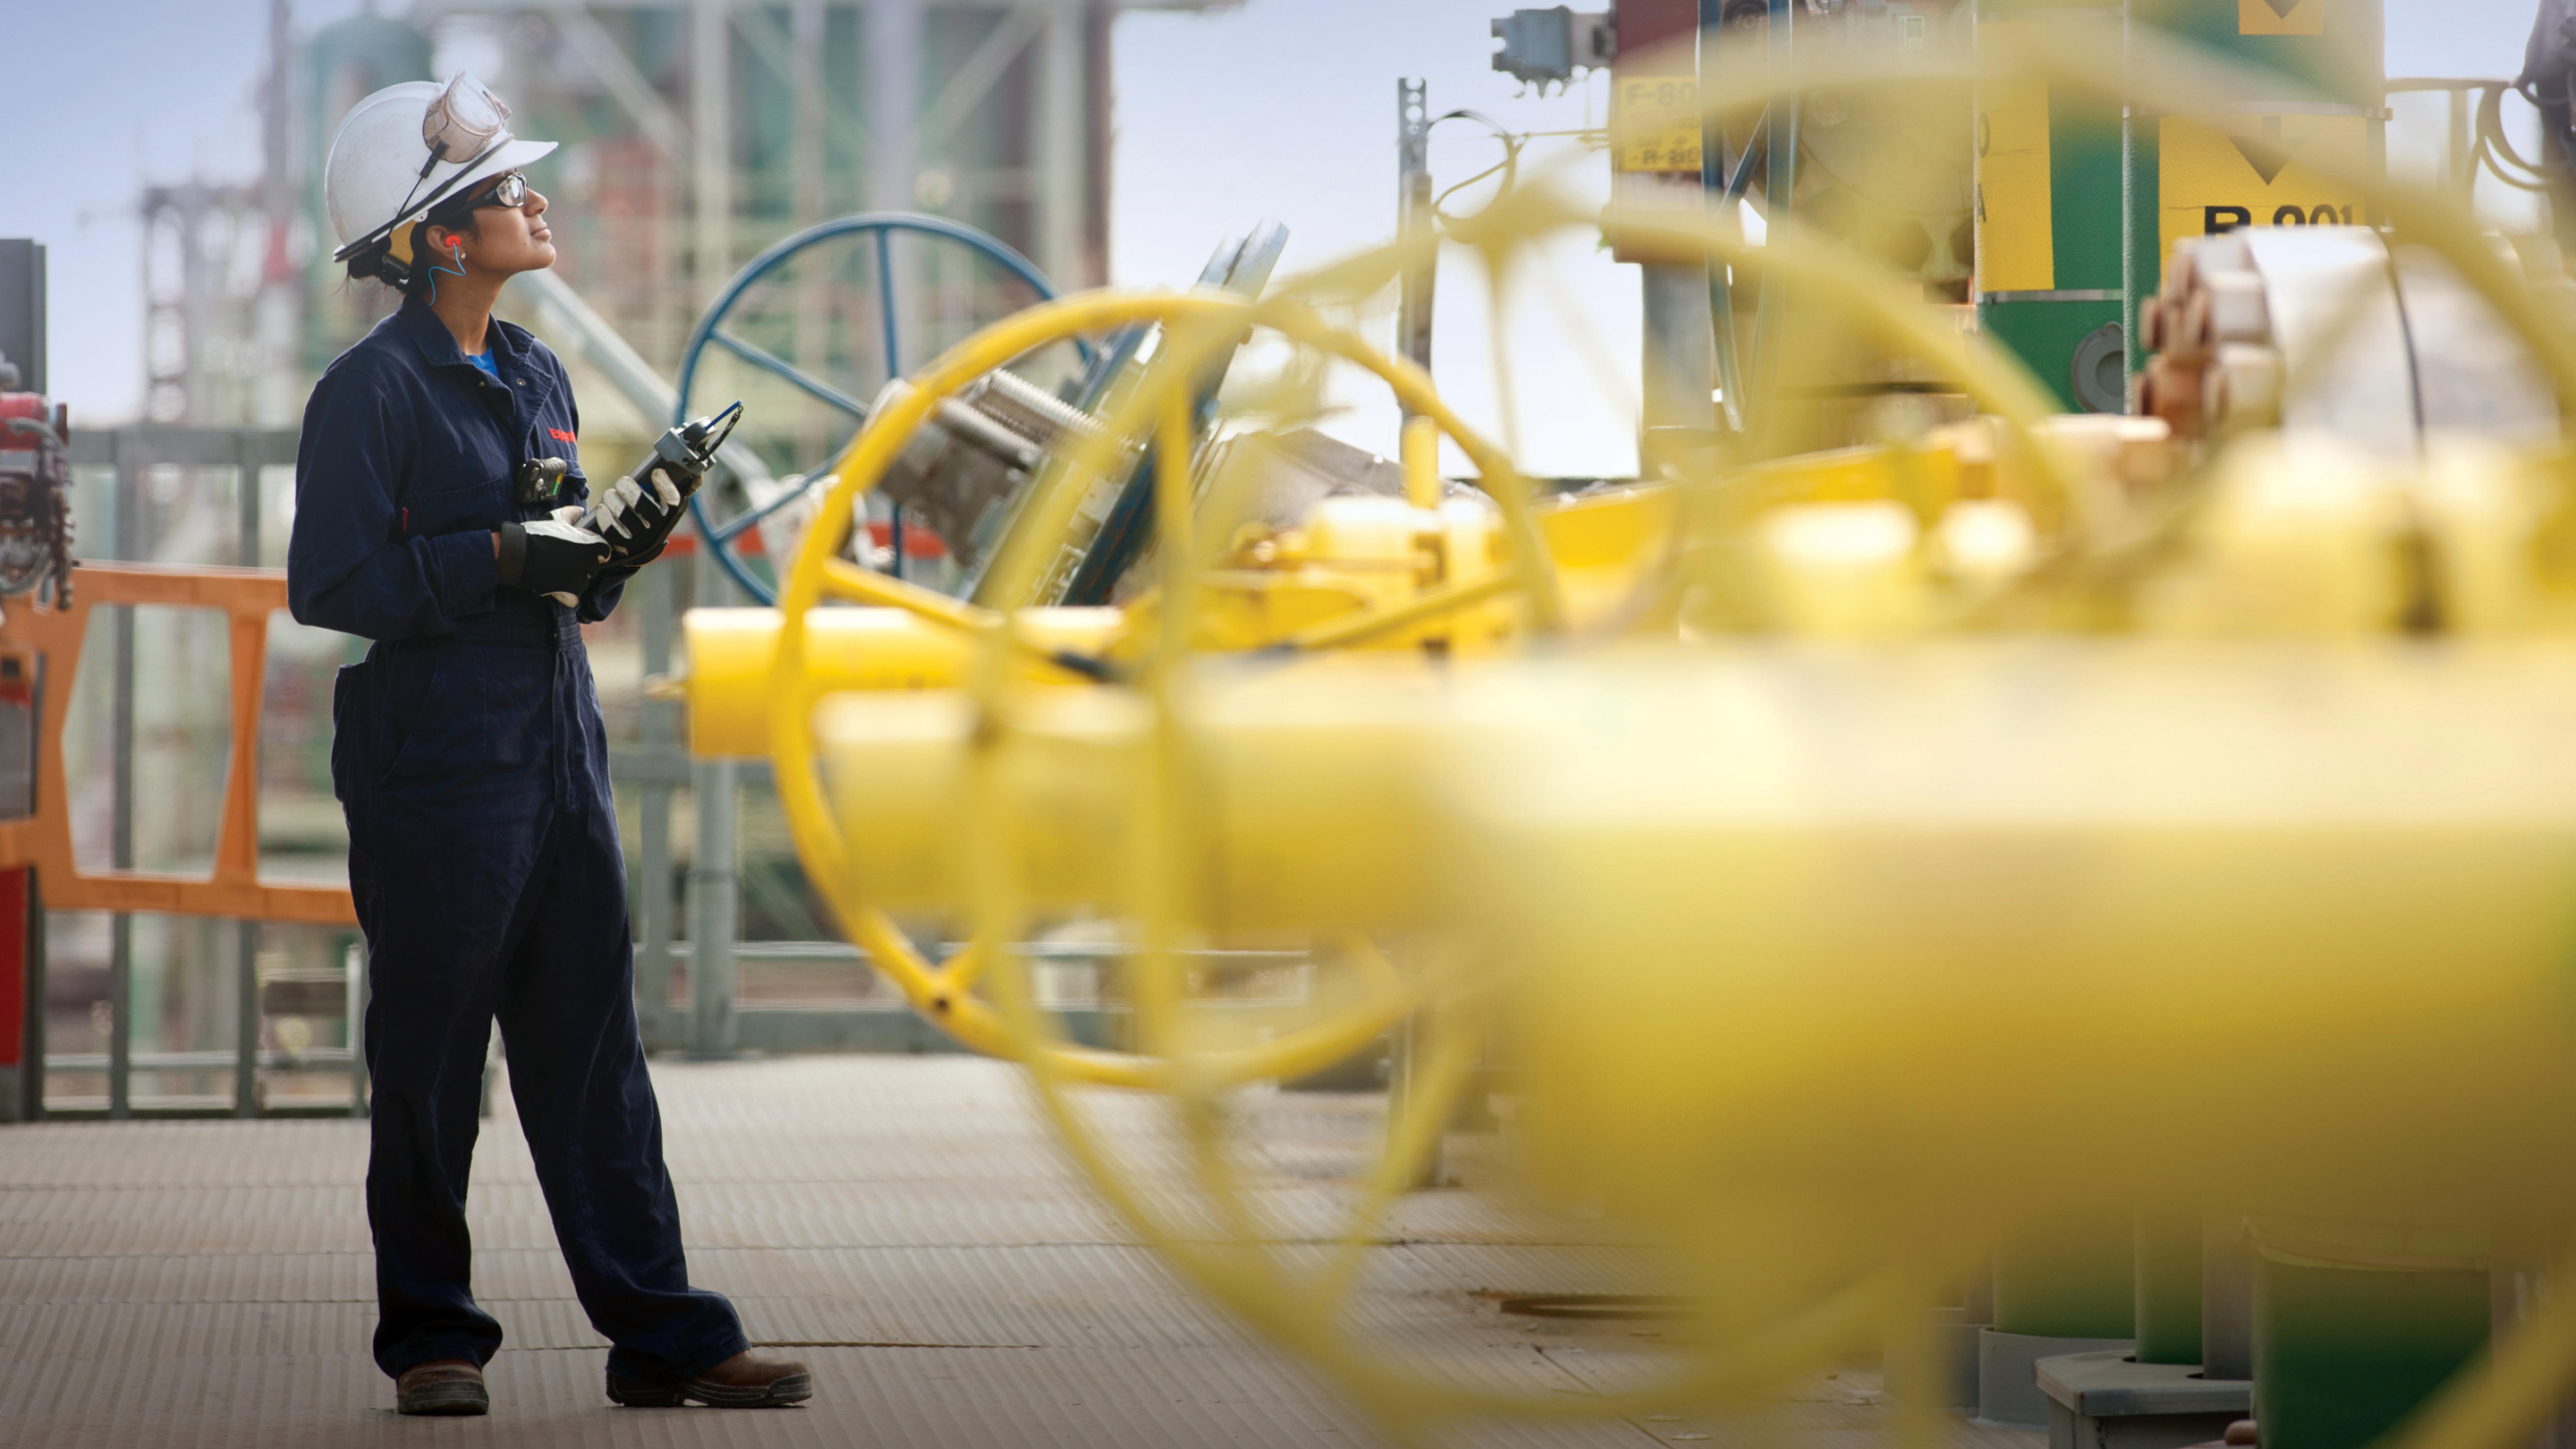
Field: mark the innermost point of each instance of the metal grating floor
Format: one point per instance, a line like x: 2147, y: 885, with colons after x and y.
x: 209, y: 1284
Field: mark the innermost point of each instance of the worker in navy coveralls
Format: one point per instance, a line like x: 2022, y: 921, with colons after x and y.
x: 469, y: 757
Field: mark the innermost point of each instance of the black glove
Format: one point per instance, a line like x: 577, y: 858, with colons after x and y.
x: 609, y: 578
x: 637, y: 516
x: 551, y: 557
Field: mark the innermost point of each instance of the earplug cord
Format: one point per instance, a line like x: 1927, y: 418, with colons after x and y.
x: 458, y: 250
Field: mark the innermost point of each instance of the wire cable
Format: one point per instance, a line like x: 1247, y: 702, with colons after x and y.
x: 457, y: 271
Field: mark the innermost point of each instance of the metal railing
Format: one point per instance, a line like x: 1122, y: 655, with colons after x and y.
x: 233, y: 889
x: 709, y: 1026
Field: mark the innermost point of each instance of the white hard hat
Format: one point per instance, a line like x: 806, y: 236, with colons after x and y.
x: 407, y: 148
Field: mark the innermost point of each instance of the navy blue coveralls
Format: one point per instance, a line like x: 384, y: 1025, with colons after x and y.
x: 470, y: 760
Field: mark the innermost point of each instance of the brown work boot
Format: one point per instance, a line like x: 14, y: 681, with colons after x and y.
x: 441, y: 1386
x: 745, y: 1381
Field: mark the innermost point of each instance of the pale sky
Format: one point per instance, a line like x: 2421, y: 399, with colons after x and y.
x: 1282, y: 108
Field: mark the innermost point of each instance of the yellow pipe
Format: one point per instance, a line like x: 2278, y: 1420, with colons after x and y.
x: 2167, y: 892
x: 732, y: 653
x: 1422, y: 462
x: 1321, y: 825
x: 1362, y: 627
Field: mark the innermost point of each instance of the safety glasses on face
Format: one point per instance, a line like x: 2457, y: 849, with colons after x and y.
x: 511, y: 193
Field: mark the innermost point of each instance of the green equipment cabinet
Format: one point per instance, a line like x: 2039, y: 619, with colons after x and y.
x: 2168, y: 1287
x: 2080, y: 198
x: 2357, y: 1325
x: 2048, y: 167
x: 2064, y: 1284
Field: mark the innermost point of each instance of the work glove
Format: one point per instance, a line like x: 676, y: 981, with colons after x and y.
x: 553, y: 556
x: 614, y: 575
x: 637, y: 516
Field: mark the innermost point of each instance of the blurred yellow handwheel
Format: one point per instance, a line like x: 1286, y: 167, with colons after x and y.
x: 944, y: 992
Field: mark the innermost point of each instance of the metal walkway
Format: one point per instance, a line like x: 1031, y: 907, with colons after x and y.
x: 904, y: 1220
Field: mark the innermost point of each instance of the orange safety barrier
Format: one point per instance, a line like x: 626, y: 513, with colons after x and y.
x: 31, y: 636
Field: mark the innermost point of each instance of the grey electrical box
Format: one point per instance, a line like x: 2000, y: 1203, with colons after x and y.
x: 22, y: 310
x: 1540, y: 46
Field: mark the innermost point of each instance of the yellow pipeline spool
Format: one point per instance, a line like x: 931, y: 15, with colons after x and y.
x: 1756, y: 919
x: 1873, y: 932
x: 1863, y: 928
x: 2173, y: 890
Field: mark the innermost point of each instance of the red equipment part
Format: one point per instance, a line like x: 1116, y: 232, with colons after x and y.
x: 35, y: 496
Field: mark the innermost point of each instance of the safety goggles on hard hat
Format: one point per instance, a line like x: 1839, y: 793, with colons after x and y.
x: 464, y: 122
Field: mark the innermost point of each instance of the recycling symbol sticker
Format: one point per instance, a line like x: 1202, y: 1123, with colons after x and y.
x: 2218, y: 174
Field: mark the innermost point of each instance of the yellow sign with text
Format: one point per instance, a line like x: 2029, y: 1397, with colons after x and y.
x: 1655, y: 121
x: 2222, y: 173
x: 2280, y: 17
x: 2016, y: 217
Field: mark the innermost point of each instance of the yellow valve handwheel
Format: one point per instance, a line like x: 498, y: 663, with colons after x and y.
x: 1300, y: 1298
x: 944, y: 992
x: 1302, y: 1302
x: 1300, y: 1310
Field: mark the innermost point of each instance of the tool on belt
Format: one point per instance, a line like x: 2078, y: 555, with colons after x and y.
x: 546, y: 482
